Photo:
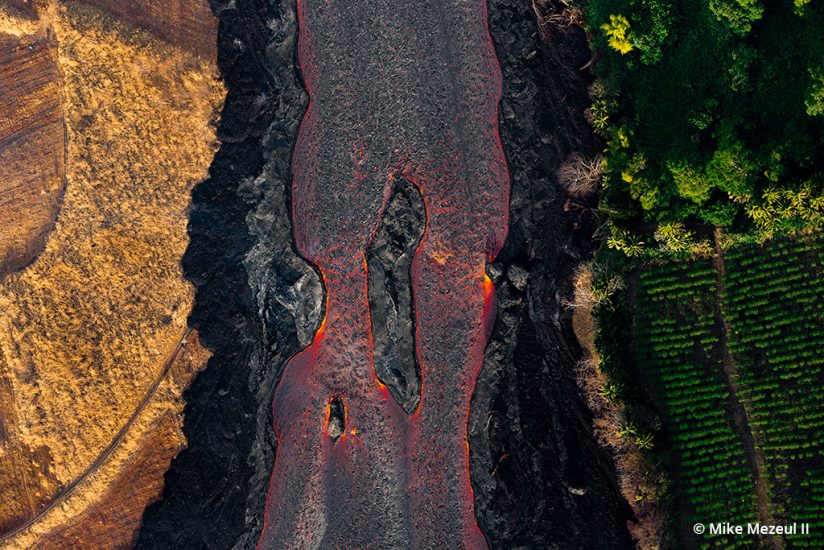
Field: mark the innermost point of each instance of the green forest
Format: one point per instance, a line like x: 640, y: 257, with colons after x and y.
x: 713, y: 115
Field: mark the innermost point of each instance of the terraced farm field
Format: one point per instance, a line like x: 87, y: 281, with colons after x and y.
x: 732, y: 348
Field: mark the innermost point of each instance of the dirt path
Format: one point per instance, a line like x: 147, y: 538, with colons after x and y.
x: 737, y: 408
x: 101, y: 459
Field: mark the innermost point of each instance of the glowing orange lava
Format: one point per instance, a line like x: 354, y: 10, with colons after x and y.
x: 415, y: 87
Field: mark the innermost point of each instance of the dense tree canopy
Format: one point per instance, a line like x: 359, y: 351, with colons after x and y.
x: 713, y: 110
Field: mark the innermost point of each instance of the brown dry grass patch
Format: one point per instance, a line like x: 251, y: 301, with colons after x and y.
x: 88, y: 326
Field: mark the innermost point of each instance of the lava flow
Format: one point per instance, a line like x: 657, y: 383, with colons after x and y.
x: 399, y: 91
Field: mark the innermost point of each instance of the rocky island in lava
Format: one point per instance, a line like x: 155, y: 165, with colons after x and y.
x: 443, y: 274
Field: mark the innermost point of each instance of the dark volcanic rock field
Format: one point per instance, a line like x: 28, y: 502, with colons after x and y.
x: 539, y: 478
x: 529, y: 424
x: 257, y: 302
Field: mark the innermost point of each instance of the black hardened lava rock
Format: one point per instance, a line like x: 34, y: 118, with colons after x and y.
x: 257, y: 302
x: 540, y: 478
x: 389, y: 261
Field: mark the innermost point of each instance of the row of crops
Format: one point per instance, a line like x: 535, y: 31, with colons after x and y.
x: 677, y: 348
x: 772, y: 305
x: 775, y: 310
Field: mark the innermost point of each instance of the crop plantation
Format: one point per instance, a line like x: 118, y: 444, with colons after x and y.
x: 678, y: 347
x: 732, y: 349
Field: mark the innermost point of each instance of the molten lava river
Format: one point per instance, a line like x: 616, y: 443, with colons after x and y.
x: 403, y: 96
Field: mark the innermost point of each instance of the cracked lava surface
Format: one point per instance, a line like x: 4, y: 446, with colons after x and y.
x: 400, y: 92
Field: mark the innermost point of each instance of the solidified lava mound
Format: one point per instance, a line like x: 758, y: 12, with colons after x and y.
x: 393, y: 197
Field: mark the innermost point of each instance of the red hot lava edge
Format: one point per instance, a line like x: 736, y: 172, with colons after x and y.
x: 397, y: 90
